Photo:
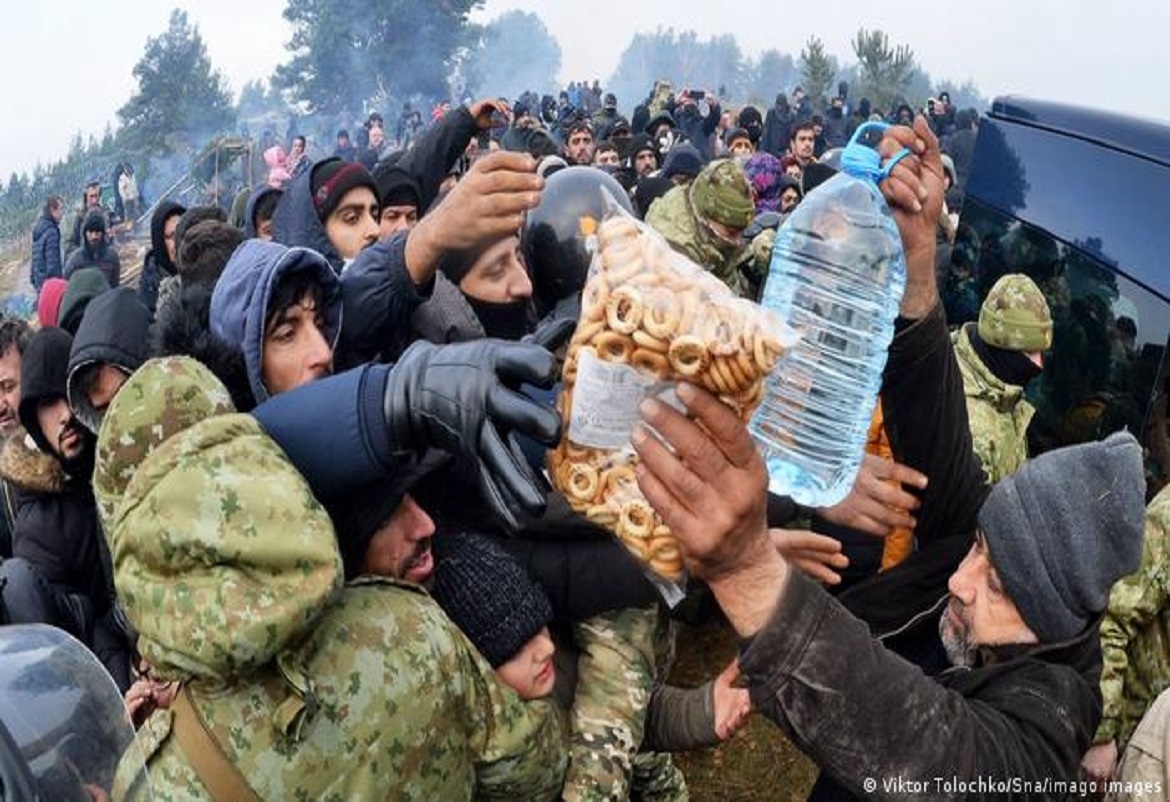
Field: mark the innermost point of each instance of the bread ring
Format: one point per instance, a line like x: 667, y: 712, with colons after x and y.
x: 637, y: 548
x: 665, y: 556
x: 746, y: 363
x: 618, y: 481
x: 636, y: 520
x: 662, y: 530
x: 731, y: 373
x: 623, y: 310
x: 624, y: 269
x: 715, y: 382
x: 602, y: 514
x: 586, y: 331
x: 688, y: 310
x: 766, y: 351
x: 661, y: 314
x: 644, y: 340
x: 583, y: 482
x: 688, y: 356
x: 615, y: 229
x: 651, y: 362
x: 593, y: 299
x: 614, y: 347
x: 721, y: 332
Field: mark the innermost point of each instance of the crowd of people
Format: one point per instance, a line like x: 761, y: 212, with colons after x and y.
x: 288, y: 487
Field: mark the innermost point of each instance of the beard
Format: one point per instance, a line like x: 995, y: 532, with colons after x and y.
x: 956, y: 638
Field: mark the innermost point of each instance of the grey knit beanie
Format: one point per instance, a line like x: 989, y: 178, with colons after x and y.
x: 1064, y: 528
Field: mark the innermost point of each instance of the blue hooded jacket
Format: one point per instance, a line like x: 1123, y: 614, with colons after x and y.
x: 250, y: 209
x: 296, y: 223
x: 239, y: 303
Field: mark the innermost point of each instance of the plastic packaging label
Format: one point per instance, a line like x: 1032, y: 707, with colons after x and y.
x: 605, y: 404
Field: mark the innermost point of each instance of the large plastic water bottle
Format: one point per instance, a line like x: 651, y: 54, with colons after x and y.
x: 837, y: 277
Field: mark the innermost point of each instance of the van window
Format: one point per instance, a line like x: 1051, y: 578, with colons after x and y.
x: 1109, y: 334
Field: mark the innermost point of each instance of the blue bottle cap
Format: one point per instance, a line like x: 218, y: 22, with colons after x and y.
x: 863, y: 161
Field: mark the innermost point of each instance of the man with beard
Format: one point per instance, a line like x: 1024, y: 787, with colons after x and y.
x: 14, y: 334
x: 60, y: 573
x: 1019, y: 701
x: 578, y: 141
x: 96, y: 250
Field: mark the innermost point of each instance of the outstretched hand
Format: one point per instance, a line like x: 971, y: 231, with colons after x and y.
x: 706, y: 479
x: 732, y: 705
x: 819, y: 556
x: 878, y: 503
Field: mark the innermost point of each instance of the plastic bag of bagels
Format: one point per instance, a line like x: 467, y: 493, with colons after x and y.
x: 650, y: 318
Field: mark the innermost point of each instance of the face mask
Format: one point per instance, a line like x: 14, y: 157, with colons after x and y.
x: 506, y: 321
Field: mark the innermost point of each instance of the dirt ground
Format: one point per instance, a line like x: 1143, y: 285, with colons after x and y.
x: 759, y: 763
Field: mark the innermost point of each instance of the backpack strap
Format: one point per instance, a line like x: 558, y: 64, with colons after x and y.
x: 222, y: 778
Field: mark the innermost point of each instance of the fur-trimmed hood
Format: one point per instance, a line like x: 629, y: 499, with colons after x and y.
x: 29, y: 468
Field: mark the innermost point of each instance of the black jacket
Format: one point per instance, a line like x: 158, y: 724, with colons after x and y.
x: 103, y: 256
x: 46, y: 251
x: 928, y: 431
x: 56, y: 523
x: 864, y: 714
x: 432, y: 156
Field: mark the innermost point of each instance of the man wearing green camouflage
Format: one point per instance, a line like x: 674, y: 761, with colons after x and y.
x: 1135, y: 646
x: 998, y: 356
x: 230, y: 571
x: 705, y: 220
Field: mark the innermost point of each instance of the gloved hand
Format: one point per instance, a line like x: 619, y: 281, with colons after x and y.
x: 457, y: 398
x: 552, y: 332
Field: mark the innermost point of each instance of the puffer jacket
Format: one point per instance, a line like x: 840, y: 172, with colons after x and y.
x: 46, y: 251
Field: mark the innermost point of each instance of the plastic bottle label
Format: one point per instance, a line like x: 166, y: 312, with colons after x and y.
x: 605, y: 401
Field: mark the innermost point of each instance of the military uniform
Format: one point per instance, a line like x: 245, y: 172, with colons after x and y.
x: 623, y: 655
x: 229, y: 569
x: 1014, y: 317
x: 720, y: 193
x: 1135, y: 635
x: 997, y: 413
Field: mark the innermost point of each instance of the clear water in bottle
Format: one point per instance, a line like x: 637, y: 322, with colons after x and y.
x: 837, y: 276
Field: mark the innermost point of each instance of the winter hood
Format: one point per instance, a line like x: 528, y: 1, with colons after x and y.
x: 222, y: 557
x: 239, y: 303
x: 296, y: 223
x: 114, y: 330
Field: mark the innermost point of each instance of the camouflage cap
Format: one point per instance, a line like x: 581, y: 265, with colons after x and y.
x: 721, y: 193
x: 1015, y: 316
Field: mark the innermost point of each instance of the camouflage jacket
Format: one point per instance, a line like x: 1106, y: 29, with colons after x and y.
x: 1135, y: 635
x: 997, y: 413
x: 673, y: 217
x: 229, y: 569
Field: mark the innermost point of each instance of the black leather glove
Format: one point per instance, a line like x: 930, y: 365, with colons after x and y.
x: 552, y: 332
x: 457, y: 398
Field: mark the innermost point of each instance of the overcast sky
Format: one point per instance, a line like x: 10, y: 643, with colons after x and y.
x: 67, y: 63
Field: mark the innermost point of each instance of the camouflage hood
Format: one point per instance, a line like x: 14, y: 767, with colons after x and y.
x: 673, y: 217
x: 222, y: 557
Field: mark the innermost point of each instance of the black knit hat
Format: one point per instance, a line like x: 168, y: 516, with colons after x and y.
x: 1064, y: 528
x: 396, y: 187
x: 332, y: 178
x: 488, y: 595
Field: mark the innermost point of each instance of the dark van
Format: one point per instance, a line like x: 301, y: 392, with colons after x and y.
x: 1080, y: 201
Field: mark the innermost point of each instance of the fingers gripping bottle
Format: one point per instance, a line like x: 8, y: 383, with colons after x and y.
x: 837, y: 276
